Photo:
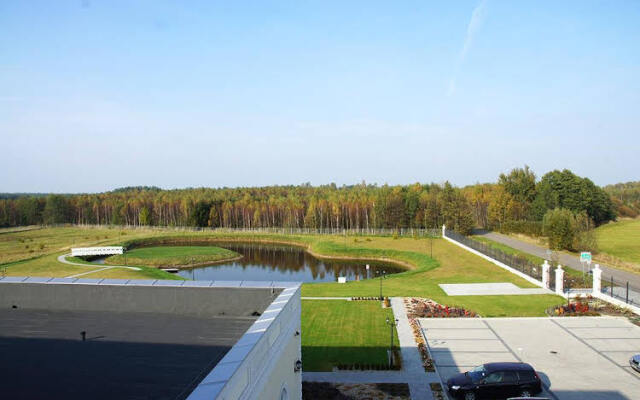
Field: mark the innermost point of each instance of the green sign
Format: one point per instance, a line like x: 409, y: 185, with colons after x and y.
x: 585, y: 256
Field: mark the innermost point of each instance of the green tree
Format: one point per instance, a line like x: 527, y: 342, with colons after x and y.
x: 559, y: 225
x: 564, y: 189
x: 200, y: 214
x: 55, y: 210
x: 520, y: 183
x: 144, y: 216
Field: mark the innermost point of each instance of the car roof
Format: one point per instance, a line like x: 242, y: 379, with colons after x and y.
x: 499, y: 366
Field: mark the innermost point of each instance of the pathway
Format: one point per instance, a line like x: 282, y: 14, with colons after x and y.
x: 63, y: 259
x: 566, y: 259
x: 412, y: 371
x: 416, y: 376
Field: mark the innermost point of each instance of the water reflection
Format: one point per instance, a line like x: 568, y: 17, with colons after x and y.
x: 262, y: 262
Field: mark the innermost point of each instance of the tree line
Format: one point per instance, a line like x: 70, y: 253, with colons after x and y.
x: 517, y: 197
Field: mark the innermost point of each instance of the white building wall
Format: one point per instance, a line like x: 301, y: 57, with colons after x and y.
x: 263, y: 361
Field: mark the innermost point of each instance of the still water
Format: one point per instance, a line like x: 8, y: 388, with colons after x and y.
x: 265, y: 262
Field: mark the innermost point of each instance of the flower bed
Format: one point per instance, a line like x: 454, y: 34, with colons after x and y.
x: 577, y: 308
x: 369, y: 298
x: 426, y: 308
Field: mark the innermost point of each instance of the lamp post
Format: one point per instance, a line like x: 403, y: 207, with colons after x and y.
x: 392, y: 324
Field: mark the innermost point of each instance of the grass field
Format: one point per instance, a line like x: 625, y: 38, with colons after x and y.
x: 450, y: 264
x: 621, y: 240
x: 343, y: 332
x: 172, y: 256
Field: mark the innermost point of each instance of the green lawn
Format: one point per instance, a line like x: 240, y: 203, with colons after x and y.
x: 172, y: 256
x: 621, y: 239
x: 450, y: 263
x: 344, y: 332
x: 49, y: 265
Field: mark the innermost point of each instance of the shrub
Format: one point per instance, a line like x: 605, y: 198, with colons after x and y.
x: 559, y: 226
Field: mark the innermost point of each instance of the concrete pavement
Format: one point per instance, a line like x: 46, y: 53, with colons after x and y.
x: 577, y: 358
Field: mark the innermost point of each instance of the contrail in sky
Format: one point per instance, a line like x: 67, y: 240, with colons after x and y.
x: 477, y: 18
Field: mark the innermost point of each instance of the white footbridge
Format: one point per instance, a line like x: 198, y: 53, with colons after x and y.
x: 96, y: 251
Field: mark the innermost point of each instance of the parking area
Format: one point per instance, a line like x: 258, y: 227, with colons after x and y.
x: 577, y: 358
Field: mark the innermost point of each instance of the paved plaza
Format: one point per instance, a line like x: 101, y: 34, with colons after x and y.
x: 577, y: 358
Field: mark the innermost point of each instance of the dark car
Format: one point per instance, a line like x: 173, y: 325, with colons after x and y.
x: 495, y: 381
x: 635, y: 362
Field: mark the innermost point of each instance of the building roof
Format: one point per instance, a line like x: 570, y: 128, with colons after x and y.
x: 128, y: 353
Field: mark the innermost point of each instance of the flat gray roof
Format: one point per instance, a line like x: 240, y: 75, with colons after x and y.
x: 126, y: 355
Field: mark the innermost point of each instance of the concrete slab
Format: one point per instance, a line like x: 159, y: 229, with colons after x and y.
x: 484, y: 289
x: 453, y: 323
x: 603, y: 333
x: 618, y: 344
x: 593, y: 322
x: 472, y: 333
x: 470, y: 360
x: 466, y: 345
x: 572, y: 366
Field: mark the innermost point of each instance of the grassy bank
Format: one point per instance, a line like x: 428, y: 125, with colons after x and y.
x: 344, y: 332
x: 173, y: 256
x: 619, y: 243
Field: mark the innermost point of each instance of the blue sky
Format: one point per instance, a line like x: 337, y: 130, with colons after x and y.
x: 101, y: 94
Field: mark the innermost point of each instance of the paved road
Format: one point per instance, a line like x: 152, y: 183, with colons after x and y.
x: 564, y: 259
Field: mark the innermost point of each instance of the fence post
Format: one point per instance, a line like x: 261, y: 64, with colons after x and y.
x: 597, y: 280
x: 627, y: 298
x: 612, y: 286
x: 559, y: 280
x: 546, y: 275
x: 444, y: 229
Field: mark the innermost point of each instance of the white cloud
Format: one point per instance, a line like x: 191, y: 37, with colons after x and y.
x: 477, y: 18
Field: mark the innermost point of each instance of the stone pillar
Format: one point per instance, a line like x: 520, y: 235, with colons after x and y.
x: 560, y: 281
x: 444, y: 228
x: 546, y: 275
x: 597, y: 280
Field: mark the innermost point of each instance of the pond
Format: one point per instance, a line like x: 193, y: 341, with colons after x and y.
x: 267, y: 262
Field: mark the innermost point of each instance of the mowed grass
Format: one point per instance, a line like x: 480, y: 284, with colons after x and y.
x: 172, y: 256
x: 344, y: 332
x: 49, y: 266
x: 621, y: 239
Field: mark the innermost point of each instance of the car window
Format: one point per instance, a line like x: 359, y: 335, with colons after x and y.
x: 509, y: 377
x: 525, y: 375
x: 495, y: 377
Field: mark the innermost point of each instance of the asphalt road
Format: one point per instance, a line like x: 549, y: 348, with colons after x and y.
x: 564, y: 259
